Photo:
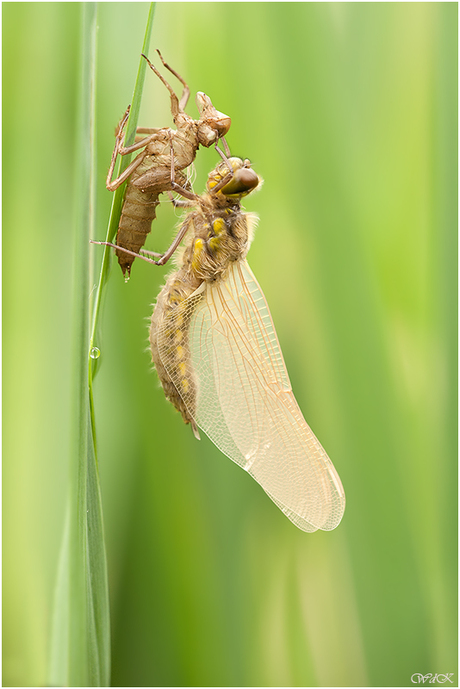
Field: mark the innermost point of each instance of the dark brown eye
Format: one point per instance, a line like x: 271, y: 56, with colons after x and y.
x: 243, y: 181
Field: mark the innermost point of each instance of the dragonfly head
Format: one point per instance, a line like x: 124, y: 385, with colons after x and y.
x: 243, y: 181
x: 213, y: 124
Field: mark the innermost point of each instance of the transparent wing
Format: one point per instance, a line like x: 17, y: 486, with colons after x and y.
x: 243, y: 399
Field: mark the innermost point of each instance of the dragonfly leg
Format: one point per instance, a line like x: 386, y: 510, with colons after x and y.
x: 150, y: 253
x: 224, y: 156
x: 119, y: 136
x: 112, y: 185
x: 222, y: 183
x: 147, y: 130
x: 226, y: 146
x: 179, y: 203
x: 177, y: 240
x: 175, y: 108
x: 186, y: 92
x: 162, y: 258
x: 127, y: 251
x: 125, y: 150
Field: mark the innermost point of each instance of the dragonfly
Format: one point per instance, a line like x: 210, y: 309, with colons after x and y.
x: 148, y: 174
x: 217, y: 354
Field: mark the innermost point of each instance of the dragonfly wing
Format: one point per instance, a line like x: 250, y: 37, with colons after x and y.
x: 244, y: 401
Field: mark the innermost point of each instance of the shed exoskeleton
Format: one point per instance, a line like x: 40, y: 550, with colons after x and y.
x: 149, y: 174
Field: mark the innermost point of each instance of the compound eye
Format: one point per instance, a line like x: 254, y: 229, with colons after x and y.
x: 243, y: 181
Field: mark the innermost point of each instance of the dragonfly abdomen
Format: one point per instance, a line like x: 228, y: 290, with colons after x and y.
x: 171, y: 317
x: 139, y: 211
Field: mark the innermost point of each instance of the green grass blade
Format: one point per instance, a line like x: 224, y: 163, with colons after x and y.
x: 98, y: 613
x: 80, y: 644
x: 59, y: 655
x: 117, y: 201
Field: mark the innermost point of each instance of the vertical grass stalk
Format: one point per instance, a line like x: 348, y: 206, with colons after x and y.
x: 80, y: 639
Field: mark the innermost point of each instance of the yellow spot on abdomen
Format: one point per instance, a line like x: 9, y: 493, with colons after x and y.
x: 197, y: 250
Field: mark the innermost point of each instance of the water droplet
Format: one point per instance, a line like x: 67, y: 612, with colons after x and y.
x: 95, y: 353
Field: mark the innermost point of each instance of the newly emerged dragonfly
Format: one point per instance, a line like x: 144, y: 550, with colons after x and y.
x: 217, y: 355
x: 149, y: 173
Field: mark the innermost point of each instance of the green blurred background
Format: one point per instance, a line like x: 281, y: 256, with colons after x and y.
x: 349, y: 112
